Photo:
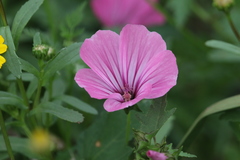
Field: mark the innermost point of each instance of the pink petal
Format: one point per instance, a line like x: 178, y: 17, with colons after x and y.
x: 101, y: 53
x: 156, y: 155
x: 121, y: 12
x: 137, y: 47
x: 116, y: 101
x: 146, y: 14
x: 161, y: 71
x: 93, y: 84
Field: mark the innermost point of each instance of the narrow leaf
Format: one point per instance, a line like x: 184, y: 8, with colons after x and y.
x: 65, y: 57
x: 155, y: 116
x: 37, y: 39
x: 188, y: 155
x: 32, y: 87
x: 224, y: 46
x: 78, y: 104
x: 13, y: 62
x: 11, y: 99
x: 26, y: 66
x: 59, y: 111
x: 223, y: 105
x: 23, y: 16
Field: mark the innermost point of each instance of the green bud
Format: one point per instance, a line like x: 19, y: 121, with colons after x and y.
x: 43, y: 52
x: 223, y: 5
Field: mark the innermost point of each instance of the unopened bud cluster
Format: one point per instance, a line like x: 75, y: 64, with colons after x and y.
x: 223, y: 5
x: 43, y: 52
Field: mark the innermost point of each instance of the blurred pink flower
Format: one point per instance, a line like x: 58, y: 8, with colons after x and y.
x: 121, y: 12
x: 126, y: 68
x: 156, y: 155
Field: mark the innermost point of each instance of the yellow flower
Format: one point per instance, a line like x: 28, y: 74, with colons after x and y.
x: 3, y: 48
x: 40, y: 141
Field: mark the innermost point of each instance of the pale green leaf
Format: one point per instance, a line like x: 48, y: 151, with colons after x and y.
x: 217, y: 55
x: 23, y: 16
x: 13, y: 62
x: 224, y: 46
x: 59, y: 111
x: 223, y: 105
x: 78, y: 104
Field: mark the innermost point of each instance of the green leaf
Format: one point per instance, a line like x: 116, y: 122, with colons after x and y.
x: 224, y: 46
x: 19, y: 145
x: 66, y: 56
x: 37, y: 39
x: 223, y: 105
x: 13, y: 62
x: 188, y: 155
x: 155, y: 116
x: 25, y: 77
x: 26, y: 66
x: 223, y: 56
x: 32, y: 87
x: 78, y: 104
x: 23, y: 16
x: 58, y: 111
x: 103, y: 141
x: 11, y: 99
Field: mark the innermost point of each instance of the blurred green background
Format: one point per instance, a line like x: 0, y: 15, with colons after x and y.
x: 204, y: 76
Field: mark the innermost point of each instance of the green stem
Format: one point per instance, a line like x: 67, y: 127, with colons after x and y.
x: 23, y: 91
x: 37, y: 97
x: 128, y: 127
x: 40, y: 81
x: 2, y: 13
x: 5, y: 136
x: 232, y: 25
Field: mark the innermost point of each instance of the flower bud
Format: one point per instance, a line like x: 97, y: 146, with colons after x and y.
x: 43, y: 52
x: 156, y: 155
x: 223, y: 5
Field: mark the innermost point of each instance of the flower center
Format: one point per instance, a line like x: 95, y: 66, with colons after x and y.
x: 127, y: 96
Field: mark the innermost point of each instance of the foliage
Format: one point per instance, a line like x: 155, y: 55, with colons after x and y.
x: 42, y: 93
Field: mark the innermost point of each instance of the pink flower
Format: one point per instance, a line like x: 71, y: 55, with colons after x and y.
x: 121, y: 12
x: 126, y: 68
x: 156, y: 155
